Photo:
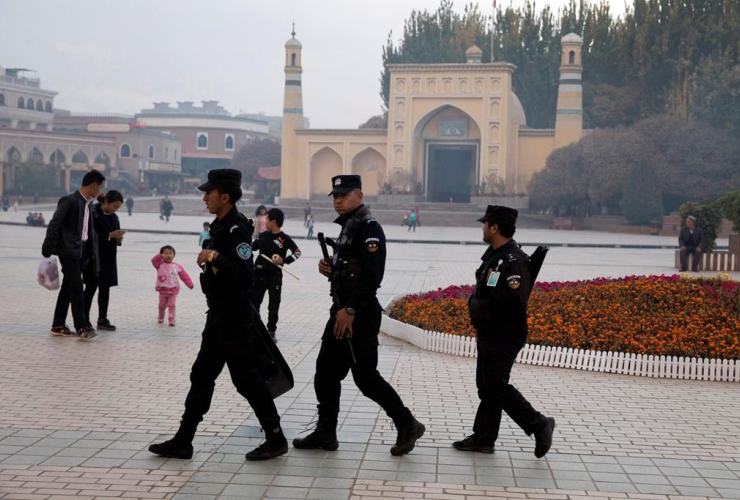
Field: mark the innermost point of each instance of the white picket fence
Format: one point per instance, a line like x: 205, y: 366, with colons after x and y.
x: 723, y: 370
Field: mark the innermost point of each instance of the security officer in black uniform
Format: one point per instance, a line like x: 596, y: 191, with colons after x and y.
x: 229, y: 336
x: 498, y: 311
x: 355, y: 272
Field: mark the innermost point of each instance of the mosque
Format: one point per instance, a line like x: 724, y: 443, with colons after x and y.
x: 454, y: 131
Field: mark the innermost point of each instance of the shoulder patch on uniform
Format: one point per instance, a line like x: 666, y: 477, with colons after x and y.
x: 244, y: 251
x: 372, y: 244
x: 514, y: 281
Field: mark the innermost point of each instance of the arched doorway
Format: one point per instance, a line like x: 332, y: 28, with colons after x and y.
x: 80, y: 158
x: 325, y: 164
x: 369, y: 164
x: 57, y: 158
x: 102, y: 162
x: 447, y: 154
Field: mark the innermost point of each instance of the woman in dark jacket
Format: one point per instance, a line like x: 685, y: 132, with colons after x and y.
x: 110, y: 237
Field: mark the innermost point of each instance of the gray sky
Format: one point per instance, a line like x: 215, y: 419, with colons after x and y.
x: 120, y: 56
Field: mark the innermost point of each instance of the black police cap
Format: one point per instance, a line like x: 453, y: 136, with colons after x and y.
x: 341, y: 184
x: 222, y: 177
x: 496, y: 214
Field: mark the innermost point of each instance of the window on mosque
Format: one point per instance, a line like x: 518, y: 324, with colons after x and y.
x: 48, y: 107
x: 21, y: 103
x: 39, y: 105
x: 572, y: 57
x: 202, y: 140
x: 125, y: 151
x: 151, y: 152
x: 2, y: 99
x: 229, y: 142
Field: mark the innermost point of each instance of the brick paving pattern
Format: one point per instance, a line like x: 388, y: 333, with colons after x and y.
x: 76, y: 418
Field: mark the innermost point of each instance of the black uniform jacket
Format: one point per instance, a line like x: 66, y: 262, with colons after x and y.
x: 359, y: 261
x: 499, y: 301
x: 227, y: 281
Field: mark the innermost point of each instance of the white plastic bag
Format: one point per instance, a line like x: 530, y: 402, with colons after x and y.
x: 48, y: 275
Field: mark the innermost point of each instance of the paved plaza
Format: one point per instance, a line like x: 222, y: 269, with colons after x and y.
x: 76, y: 418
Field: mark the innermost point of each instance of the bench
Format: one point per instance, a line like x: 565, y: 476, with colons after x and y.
x: 713, y: 261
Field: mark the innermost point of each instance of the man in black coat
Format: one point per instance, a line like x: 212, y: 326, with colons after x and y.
x: 229, y: 335
x: 691, y: 241
x: 498, y: 311
x: 71, y: 236
x: 350, y: 339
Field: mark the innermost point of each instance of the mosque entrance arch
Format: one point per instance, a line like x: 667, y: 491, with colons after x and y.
x: 448, y: 140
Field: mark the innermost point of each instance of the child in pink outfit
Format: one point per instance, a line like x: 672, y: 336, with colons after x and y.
x: 169, y: 274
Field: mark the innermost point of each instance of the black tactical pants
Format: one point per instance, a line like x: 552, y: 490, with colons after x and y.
x: 272, y: 283
x: 231, y: 346
x: 335, y: 362
x: 497, y: 353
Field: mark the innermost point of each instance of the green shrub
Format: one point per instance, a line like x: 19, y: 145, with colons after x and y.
x: 641, y: 197
x: 708, y: 217
x: 730, y: 204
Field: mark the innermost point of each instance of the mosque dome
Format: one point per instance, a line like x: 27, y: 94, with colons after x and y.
x: 474, y: 50
x: 293, y: 43
x: 572, y: 38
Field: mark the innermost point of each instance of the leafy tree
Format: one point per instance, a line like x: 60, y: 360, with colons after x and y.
x: 377, y: 121
x: 708, y: 217
x: 730, y: 204
x: 37, y: 177
x: 641, y: 201
x: 692, y: 161
x: 254, y: 155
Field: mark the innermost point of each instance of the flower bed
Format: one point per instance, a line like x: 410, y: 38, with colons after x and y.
x: 658, y: 315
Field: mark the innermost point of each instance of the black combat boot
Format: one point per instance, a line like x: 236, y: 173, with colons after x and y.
x: 173, y: 448
x: 274, y: 446
x: 475, y: 442
x: 324, y: 437
x: 409, y: 430
x: 543, y: 438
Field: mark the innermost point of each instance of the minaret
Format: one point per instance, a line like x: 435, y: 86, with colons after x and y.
x: 569, y: 120
x: 292, y: 117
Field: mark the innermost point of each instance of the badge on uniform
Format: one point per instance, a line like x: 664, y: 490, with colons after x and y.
x: 244, y: 251
x: 372, y: 244
x: 493, y: 278
x: 514, y: 281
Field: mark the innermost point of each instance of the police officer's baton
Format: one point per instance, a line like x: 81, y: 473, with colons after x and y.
x: 334, y: 298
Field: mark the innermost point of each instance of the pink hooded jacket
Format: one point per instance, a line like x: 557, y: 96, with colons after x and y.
x: 169, y: 275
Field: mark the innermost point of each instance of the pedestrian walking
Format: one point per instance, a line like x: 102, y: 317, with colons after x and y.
x: 498, y: 311
x: 412, y: 221
x: 260, y: 220
x: 350, y: 339
x: 306, y: 215
x: 109, y: 238
x: 229, y: 334
x: 167, y: 209
x: 130, y: 205
x: 169, y: 274
x: 71, y: 236
x: 205, y: 235
x: 309, y: 225
x: 274, y: 244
